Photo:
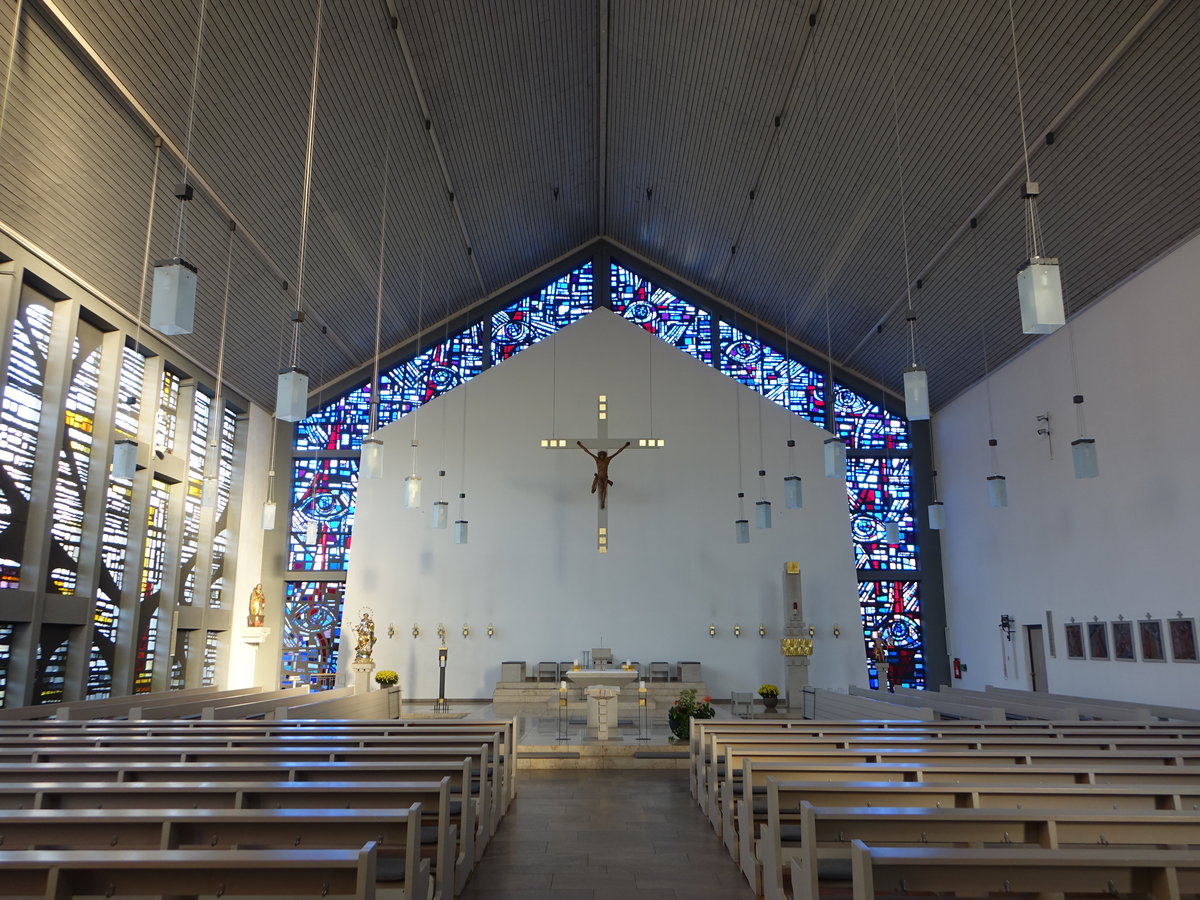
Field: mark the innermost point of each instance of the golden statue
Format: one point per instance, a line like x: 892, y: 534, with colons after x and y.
x: 258, y: 607
x: 366, y: 638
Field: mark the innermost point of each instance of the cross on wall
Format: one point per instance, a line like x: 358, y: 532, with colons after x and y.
x: 601, y: 441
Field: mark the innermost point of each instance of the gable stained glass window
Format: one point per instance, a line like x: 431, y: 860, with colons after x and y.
x: 537, y: 316
x: 340, y: 425
x: 20, y: 413
x: 660, y: 312
x: 879, y: 490
x: 864, y: 425
x: 312, y: 629
x: 891, y: 612
x: 323, y: 493
x: 784, y: 381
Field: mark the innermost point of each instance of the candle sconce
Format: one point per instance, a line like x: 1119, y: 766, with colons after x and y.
x: 391, y: 629
x: 712, y: 631
x: 441, y: 631
x: 812, y: 630
x: 416, y: 630
x: 466, y: 630
x: 491, y: 630
x: 762, y: 631
x: 837, y: 632
x: 737, y: 631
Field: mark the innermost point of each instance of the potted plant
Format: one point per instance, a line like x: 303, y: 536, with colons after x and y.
x: 770, y: 695
x: 685, y: 708
x: 386, y: 678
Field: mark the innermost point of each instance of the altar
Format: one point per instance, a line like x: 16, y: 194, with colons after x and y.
x: 613, y: 678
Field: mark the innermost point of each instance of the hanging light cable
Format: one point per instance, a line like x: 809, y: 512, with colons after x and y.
x: 316, y: 504
x: 1083, y: 449
x: 460, y: 524
x: 212, y: 460
x: 125, y: 450
x: 916, y: 379
x: 441, y: 508
x: 762, y: 507
x: 173, y: 298
x: 793, y: 494
x: 1039, y: 282
x: 412, y: 482
x: 835, y: 447
x: 372, y: 445
x: 997, y: 484
x: 291, y: 403
x: 741, y: 525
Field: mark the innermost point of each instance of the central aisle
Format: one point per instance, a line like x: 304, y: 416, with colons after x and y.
x: 594, y: 834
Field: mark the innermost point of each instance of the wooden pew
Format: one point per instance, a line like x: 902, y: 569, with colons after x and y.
x: 826, y: 833
x: 183, y: 705
x: 62, y: 874
x: 396, y: 833
x: 871, y: 705
x: 1169, y: 713
x: 1160, y: 874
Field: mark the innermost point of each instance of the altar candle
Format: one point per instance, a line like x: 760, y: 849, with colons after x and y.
x: 562, y: 685
x: 641, y: 685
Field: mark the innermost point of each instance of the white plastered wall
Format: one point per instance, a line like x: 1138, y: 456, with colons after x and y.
x: 531, y: 568
x: 1117, y: 545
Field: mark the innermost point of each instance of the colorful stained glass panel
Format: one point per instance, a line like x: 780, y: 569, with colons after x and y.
x: 880, y: 491
x: 323, y: 493
x: 539, y: 315
x: 864, y: 425
x: 891, y: 613
x: 312, y: 629
x: 781, y: 380
x: 662, y: 313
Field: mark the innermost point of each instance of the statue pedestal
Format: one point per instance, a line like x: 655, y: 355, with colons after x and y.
x: 362, y: 670
x: 253, y: 635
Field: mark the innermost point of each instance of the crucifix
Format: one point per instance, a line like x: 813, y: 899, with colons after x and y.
x: 595, y: 447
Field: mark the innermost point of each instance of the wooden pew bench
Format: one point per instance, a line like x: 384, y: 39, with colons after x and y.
x: 397, y: 833
x: 1160, y: 874
x: 450, y: 836
x: 826, y: 833
x: 61, y: 874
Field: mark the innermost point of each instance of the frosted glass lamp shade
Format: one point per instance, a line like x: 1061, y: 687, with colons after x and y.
x: 173, y: 296
x: 441, y: 514
x: 741, y: 530
x: 793, y: 494
x: 937, y: 515
x: 835, y: 458
x: 1040, y: 286
x: 1083, y: 452
x: 311, y: 533
x: 291, y: 395
x: 412, y: 492
x: 891, y: 532
x: 997, y: 491
x: 372, y: 458
x: 460, y: 531
x: 268, y: 516
x: 208, y: 492
x: 762, y: 513
x: 124, y: 464
x: 916, y: 394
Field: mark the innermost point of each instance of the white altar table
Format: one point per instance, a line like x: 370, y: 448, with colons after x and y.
x: 607, y: 677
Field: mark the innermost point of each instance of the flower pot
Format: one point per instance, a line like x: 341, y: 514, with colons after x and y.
x: 770, y: 703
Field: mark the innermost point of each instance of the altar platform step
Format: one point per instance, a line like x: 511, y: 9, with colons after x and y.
x: 659, y: 694
x: 588, y: 753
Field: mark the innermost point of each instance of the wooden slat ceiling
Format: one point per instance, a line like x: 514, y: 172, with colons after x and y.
x: 503, y: 158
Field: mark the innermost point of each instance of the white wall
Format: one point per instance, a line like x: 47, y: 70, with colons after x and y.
x: 531, y: 567
x: 1120, y: 544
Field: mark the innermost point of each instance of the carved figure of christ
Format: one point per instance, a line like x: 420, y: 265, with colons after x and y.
x: 603, y: 446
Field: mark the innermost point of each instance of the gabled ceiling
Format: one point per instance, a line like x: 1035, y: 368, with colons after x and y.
x: 517, y: 131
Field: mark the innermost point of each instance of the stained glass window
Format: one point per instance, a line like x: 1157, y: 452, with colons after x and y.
x: 168, y: 413
x: 431, y: 374
x: 220, y: 544
x: 192, y: 497
x: 74, y: 458
x: 133, y: 374
x: 880, y: 491
x: 864, y: 425
x: 340, y: 425
x: 183, y: 640
x: 662, y: 313
x: 153, y: 557
x: 891, y: 611
x: 323, y: 493
x: 6, y: 635
x: 539, y: 315
x: 312, y: 628
x: 784, y: 381
x: 208, y: 673
x: 20, y: 412
x: 51, y: 666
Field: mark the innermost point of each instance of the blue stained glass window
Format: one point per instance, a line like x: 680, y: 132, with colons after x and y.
x: 539, y: 315
x: 880, y: 491
x: 312, y: 628
x: 323, y: 493
x: 662, y: 313
x: 784, y: 381
x: 863, y: 425
x: 340, y: 425
x: 891, y: 612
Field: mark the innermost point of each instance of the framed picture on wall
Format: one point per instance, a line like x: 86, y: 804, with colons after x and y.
x: 1151, y: 638
x: 1074, y: 632
x: 1122, y: 641
x: 1183, y: 639
x: 1097, y: 633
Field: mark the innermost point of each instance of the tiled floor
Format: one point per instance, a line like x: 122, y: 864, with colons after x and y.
x: 599, y: 834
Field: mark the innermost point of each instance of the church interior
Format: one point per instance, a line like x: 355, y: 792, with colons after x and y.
x: 627, y: 388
